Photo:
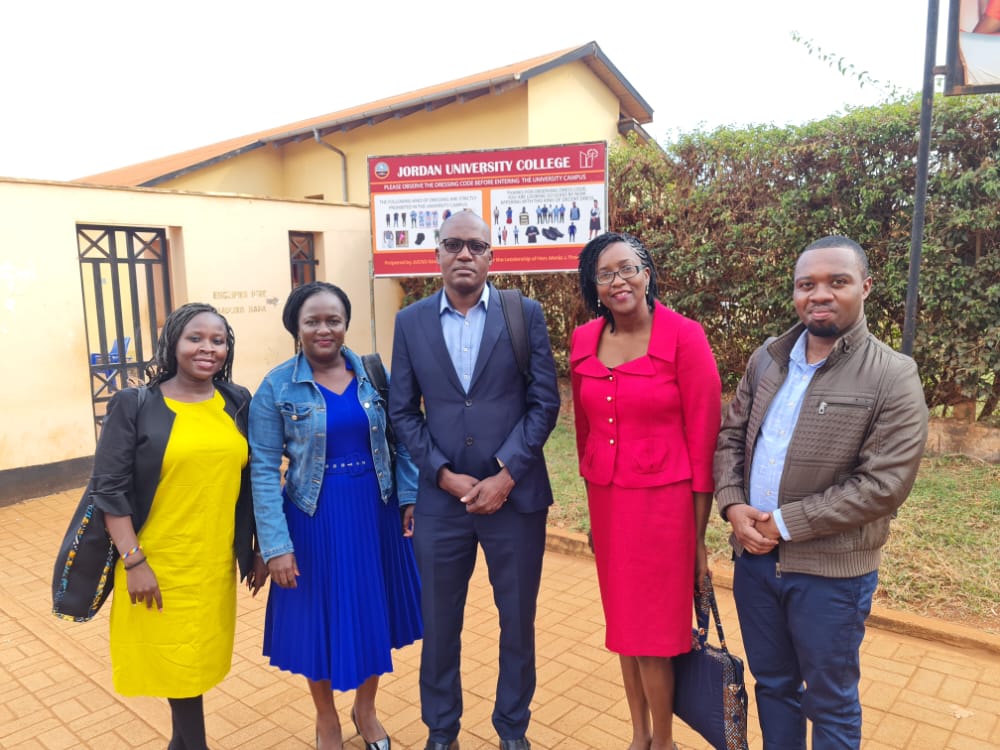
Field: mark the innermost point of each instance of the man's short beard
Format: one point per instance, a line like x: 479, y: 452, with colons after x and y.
x: 824, y: 332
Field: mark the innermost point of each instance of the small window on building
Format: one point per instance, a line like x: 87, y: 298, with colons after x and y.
x: 302, y: 248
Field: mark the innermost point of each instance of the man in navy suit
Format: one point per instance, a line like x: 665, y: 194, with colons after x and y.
x: 475, y: 427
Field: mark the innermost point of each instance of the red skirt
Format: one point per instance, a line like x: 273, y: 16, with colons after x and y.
x: 644, y: 546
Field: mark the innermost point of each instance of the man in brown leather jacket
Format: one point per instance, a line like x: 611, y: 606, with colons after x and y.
x: 819, y: 448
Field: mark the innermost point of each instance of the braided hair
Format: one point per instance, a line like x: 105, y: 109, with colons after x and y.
x: 298, y: 297
x: 588, y: 271
x: 164, y: 364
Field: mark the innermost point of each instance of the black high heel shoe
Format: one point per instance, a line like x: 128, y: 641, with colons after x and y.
x: 383, y: 744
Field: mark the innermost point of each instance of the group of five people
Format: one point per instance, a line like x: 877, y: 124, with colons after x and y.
x: 368, y: 516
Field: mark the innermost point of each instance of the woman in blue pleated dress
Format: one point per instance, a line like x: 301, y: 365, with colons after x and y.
x: 345, y: 589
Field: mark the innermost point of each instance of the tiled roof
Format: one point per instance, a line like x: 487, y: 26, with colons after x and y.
x: 634, y: 110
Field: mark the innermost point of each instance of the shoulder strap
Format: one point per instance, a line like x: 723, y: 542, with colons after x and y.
x: 513, y: 315
x: 375, y: 371
x: 704, y: 603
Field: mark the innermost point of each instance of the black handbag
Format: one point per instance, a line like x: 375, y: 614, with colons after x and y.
x: 375, y: 371
x: 84, y: 571
x: 709, y: 693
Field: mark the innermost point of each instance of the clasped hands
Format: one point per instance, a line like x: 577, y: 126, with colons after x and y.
x: 754, y: 529
x: 482, y: 496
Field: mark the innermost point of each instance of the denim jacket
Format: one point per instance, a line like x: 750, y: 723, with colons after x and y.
x: 288, y: 418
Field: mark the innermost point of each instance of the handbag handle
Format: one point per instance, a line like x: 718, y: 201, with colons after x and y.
x: 704, y: 600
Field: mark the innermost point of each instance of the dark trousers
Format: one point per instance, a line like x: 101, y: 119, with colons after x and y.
x: 802, y: 635
x: 446, y: 549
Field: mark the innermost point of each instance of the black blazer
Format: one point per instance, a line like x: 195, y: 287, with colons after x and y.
x: 130, y: 455
x: 502, y: 416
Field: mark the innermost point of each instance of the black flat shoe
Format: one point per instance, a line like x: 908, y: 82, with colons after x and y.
x: 383, y: 744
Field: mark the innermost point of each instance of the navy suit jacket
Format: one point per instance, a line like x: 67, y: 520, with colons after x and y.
x: 501, y: 416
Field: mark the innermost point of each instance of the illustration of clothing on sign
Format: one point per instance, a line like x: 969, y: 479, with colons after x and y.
x: 572, y: 232
x: 574, y: 213
x: 496, y: 214
x: 523, y: 218
x: 510, y: 215
x: 413, y: 218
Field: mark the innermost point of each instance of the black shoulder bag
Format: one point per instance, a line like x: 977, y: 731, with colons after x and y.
x: 375, y: 371
x: 84, y: 572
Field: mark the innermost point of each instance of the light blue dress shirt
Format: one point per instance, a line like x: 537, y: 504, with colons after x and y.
x: 463, y: 334
x: 776, y: 434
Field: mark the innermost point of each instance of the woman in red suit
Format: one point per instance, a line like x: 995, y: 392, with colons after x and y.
x: 646, y: 395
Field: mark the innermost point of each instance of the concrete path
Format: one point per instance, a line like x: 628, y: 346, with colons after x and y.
x: 937, y: 691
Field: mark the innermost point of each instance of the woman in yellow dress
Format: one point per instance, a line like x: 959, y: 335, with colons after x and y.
x: 171, y: 475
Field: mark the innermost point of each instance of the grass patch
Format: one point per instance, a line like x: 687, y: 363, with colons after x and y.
x: 943, y: 554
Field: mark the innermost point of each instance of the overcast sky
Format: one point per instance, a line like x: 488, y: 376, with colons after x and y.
x: 88, y: 87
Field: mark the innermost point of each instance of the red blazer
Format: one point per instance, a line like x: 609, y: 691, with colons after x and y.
x: 651, y: 421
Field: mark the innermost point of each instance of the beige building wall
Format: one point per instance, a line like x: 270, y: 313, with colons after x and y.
x: 230, y: 251
x: 257, y: 172
x: 570, y: 104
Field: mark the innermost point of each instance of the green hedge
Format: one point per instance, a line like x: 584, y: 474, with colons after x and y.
x: 726, y: 213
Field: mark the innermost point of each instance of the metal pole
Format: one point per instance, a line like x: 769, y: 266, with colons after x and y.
x: 920, y: 195
x: 371, y: 301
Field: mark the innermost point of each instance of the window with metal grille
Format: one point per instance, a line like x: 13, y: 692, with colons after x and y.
x: 302, y: 247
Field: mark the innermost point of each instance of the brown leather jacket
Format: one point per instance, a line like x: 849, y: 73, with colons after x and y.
x: 852, y: 459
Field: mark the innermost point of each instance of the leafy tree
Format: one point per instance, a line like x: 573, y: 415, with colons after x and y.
x: 726, y: 212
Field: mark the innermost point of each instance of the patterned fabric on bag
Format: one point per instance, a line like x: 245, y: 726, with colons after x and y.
x: 709, y: 692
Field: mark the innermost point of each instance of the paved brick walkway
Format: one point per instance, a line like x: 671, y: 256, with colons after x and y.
x: 55, y: 680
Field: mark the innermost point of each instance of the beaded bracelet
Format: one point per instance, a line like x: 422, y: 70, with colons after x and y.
x: 135, y: 564
x: 136, y: 548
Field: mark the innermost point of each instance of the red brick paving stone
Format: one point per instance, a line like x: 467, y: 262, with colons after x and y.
x: 994, y: 736
x: 956, y: 689
x: 910, y: 685
x: 928, y: 738
x: 895, y: 731
x: 22, y: 730
x: 958, y: 742
x: 887, y: 671
x: 986, y: 698
x: 977, y: 725
x: 925, y: 712
x: 925, y: 681
x: 58, y: 739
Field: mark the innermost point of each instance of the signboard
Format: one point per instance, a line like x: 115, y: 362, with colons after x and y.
x: 973, y: 63
x: 542, y: 205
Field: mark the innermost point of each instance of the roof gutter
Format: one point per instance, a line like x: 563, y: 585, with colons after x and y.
x: 343, y: 159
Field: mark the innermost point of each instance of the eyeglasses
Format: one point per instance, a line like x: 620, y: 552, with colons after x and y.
x: 625, y: 272
x: 476, y: 247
